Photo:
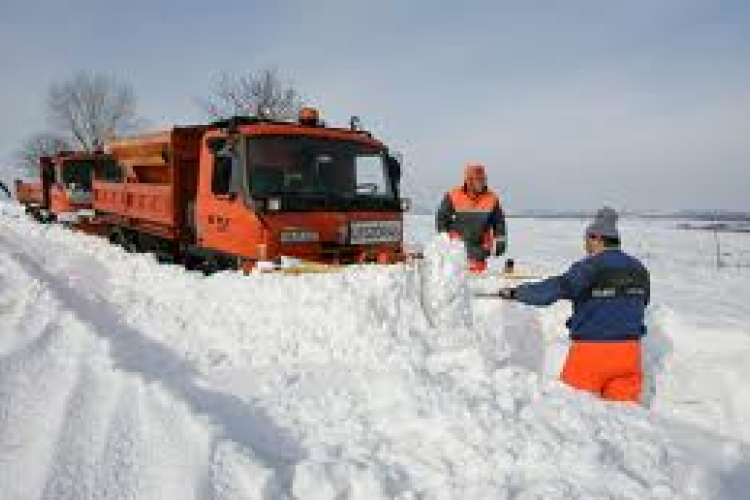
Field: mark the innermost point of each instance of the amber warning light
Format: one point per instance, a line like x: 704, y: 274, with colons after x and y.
x: 309, y: 116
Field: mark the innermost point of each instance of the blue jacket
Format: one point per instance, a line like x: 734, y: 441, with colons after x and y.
x: 609, y: 291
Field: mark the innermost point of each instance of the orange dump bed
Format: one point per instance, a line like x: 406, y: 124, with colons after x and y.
x: 160, y: 180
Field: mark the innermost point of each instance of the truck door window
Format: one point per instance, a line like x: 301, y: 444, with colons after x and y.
x: 222, y: 173
x: 371, y: 176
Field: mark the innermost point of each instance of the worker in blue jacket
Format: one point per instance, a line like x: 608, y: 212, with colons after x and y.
x: 609, y: 290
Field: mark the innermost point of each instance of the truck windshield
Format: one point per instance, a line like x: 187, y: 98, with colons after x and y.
x: 78, y: 173
x: 298, y: 165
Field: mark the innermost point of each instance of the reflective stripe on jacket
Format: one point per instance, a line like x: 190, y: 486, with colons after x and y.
x: 475, y: 219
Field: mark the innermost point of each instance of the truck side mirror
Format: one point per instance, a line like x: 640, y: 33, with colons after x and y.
x: 216, y: 144
x: 394, y: 169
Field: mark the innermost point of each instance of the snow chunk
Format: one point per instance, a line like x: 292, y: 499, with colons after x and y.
x: 444, y: 283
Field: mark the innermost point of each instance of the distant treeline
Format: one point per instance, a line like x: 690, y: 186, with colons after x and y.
x: 733, y: 226
x: 710, y: 215
x: 693, y: 215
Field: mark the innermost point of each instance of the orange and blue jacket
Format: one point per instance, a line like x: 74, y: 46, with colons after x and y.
x: 609, y: 291
x: 476, y: 219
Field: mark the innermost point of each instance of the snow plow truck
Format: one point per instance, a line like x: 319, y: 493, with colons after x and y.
x: 63, y: 191
x: 246, y: 190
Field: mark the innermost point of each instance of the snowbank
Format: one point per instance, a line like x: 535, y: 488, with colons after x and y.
x: 123, y: 378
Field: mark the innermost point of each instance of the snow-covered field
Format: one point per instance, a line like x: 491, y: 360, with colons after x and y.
x: 124, y: 379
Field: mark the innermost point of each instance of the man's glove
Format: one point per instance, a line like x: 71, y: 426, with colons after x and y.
x: 507, y: 293
x: 500, y: 245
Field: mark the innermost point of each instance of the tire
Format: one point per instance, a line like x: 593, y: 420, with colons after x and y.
x: 120, y: 238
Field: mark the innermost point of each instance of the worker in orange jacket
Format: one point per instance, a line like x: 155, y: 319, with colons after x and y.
x: 472, y: 212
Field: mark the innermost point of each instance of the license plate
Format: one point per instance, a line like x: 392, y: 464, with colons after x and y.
x: 368, y: 232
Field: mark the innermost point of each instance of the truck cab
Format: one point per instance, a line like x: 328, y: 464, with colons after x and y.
x: 63, y: 192
x: 268, y: 190
x: 70, y: 194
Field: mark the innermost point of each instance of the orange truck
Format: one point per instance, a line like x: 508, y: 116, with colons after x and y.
x: 63, y: 191
x: 237, y: 192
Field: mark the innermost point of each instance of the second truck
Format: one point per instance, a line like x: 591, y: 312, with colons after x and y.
x: 62, y: 191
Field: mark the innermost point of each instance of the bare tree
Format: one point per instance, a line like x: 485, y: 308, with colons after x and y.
x: 39, y: 144
x: 257, y: 94
x: 92, y: 108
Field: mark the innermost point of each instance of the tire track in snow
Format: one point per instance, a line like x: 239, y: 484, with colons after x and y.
x: 85, y: 428
x: 36, y: 381
x: 56, y: 418
x: 34, y: 385
x: 23, y: 313
x: 135, y: 353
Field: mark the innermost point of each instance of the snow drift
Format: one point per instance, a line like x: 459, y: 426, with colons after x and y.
x: 122, y: 378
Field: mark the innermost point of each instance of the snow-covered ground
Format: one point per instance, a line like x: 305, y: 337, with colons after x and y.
x: 121, y: 378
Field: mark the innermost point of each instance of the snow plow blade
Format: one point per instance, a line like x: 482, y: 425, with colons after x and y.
x: 302, y: 267
x: 311, y: 268
x: 519, y: 276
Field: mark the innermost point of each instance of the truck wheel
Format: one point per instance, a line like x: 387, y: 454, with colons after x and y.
x: 130, y: 244
x: 112, y: 237
x: 210, y: 266
x: 120, y: 238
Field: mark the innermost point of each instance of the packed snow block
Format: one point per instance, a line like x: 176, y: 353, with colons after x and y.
x: 657, y: 350
x: 11, y: 208
x: 444, y: 283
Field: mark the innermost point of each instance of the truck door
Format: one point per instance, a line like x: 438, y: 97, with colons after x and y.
x: 48, y: 180
x: 222, y: 217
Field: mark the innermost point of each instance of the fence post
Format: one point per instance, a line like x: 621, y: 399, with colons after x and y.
x: 719, y: 263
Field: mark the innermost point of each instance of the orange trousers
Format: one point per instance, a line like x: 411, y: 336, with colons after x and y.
x: 477, y: 266
x: 611, y: 370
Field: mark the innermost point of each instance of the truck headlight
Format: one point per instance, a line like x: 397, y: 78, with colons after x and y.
x: 298, y: 236
x: 274, y: 204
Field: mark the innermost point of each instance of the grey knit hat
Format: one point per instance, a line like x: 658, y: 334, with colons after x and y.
x: 604, y: 224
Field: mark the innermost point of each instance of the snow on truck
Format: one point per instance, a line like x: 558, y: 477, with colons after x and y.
x: 63, y: 191
x: 245, y: 190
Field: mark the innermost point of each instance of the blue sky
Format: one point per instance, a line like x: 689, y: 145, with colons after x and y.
x: 569, y: 103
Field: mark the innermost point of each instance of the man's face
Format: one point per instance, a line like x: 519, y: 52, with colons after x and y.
x: 593, y: 245
x: 476, y: 182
